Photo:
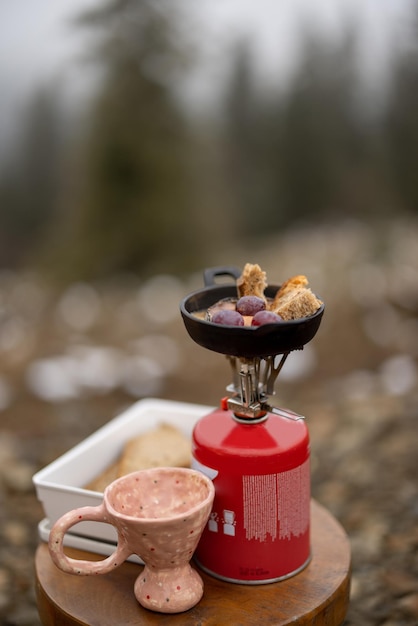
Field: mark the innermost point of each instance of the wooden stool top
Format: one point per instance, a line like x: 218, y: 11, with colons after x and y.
x: 318, y: 595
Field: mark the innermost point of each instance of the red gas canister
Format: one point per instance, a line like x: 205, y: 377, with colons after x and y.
x: 259, y: 528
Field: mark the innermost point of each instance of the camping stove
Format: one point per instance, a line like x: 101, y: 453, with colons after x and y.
x: 256, y: 453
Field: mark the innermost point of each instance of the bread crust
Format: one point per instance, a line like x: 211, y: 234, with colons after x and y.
x: 100, y: 482
x: 295, y: 282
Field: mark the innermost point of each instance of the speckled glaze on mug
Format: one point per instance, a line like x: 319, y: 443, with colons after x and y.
x: 159, y: 515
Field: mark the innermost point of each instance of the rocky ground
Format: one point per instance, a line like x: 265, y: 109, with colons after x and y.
x: 72, y: 360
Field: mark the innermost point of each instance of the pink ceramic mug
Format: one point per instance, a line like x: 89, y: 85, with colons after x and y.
x: 159, y: 515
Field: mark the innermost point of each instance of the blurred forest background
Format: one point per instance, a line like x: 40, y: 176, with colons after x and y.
x: 112, y: 204
x: 134, y: 182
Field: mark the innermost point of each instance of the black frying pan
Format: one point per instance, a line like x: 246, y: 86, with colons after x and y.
x: 240, y: 341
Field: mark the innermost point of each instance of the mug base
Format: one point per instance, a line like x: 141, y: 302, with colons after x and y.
x: 173, y: 590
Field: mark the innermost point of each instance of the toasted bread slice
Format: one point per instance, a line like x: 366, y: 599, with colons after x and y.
x: 164, y: 446
x: 105, y: 478
x: 295, y: 300
x: 289, y: 286
x: 252, y: 281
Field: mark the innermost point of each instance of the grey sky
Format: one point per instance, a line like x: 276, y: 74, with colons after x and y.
x: 37, y: 43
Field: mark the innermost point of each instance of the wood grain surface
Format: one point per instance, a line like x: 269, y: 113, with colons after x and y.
x: 317, y: 596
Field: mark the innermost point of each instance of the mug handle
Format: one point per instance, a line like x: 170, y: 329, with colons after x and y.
x: 79, y: 566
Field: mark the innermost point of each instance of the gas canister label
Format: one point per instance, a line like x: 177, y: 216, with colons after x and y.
x: 277, y: 505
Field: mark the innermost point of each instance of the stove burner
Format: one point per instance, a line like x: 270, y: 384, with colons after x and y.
x: 253, y: 384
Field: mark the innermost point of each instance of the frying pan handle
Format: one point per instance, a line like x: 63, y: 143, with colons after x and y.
x: 211, y: 273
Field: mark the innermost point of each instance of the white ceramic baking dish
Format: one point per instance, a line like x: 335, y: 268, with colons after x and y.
x: 60, y: 485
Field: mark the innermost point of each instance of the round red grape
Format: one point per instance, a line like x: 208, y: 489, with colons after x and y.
x: 250, y: 305
x: 228, y: 318
x: 265, y: 317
